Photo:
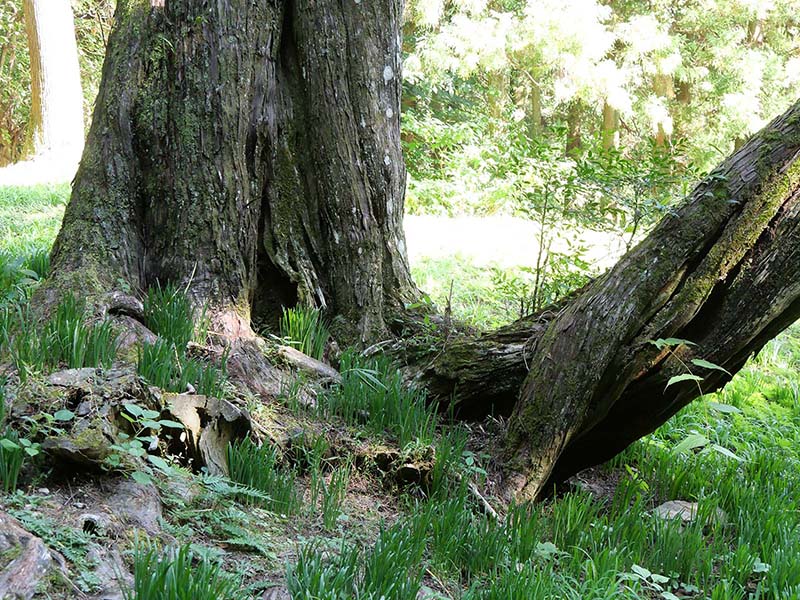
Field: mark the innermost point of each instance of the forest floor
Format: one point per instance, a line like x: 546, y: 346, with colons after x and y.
x: 347, y: 498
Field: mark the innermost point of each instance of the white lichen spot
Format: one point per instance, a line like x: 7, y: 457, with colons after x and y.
x: 389, y: 113
x: 386, y: 160
x: 388, y: 74
x: 335, y: 237
x: 363, y: 122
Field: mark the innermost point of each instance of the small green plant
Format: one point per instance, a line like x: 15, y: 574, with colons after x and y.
x: 373, y: 393
x: 11, y: 459
x: 306, y: 330
x: 178, y: 574
x: 146, y: 426
x: 317, y: 574
x: 258, y: 467
x: 333, y: 495
x: 13, y: 448
x: 66, y: 339
x: 168, y: 312
x: 73, y: 342
x: 164, y: 365
x: 392, y: 568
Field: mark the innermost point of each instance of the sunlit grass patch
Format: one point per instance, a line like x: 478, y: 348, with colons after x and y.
x: 30, y: 216
x: 305, y: 329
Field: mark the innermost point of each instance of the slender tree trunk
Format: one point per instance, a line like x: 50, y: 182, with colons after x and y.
x: 574, y: 140
x: 251, y: 151
x: 56, y: 121
x: 610, y: 127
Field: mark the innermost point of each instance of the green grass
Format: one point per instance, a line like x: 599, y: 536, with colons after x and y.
x: 373, y: 395
x: 169, y: 312
x: 259, y: 468
x: 306, y: 330
x: 67, y: 339
x: 178, y: 574
x: 30, y: 217
x: 11, y: 459
x: 164, y: 366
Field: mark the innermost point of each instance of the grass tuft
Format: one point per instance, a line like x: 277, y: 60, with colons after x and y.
x: 169, y: 313
x: 306, y: 330
x: 66, y: 339
x: 258, y: 467
x: 374, y: 395
x: 178, y: 574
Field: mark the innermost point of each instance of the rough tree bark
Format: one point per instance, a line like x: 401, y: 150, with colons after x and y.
x: 56, y: 121
x: 251, y: 151
x: 721, y: 271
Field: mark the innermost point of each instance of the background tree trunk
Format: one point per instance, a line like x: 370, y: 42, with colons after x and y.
x: 251, y: 152
x: 56, y: 119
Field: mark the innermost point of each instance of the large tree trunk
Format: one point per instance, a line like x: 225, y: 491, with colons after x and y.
x: 722, y: 271
x: 56, y: 119
x: 251, y: 151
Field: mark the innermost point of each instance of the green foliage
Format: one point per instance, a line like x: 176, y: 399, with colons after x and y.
x: 259, y: 468
x: 11, y: 458
x: 164, y: 366
x: 640, y: 77
x: 306, y: 330
x: 374, y: 395
x: 390, y: 569
x: 74, y: 342
x: 147, y: 427
x: 66, y: 339
x: 492, y: 296
x: 165, y: 363
x: 580, y: 546
x: 168, y: 311
x: 178, y: 574
x: 30, y: 217
x: 15, y: 93
x: 326, y: 493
